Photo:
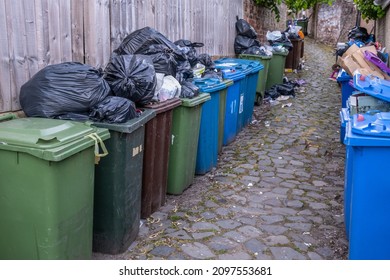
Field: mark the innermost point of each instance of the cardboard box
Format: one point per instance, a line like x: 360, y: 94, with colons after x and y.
x: 360, y: 103
x: 353, y: 59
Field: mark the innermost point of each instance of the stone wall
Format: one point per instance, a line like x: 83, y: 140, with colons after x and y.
x: 327, y: 24
x: 383, y: 30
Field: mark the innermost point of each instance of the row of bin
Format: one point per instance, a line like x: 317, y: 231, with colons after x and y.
x: 366, y: 185
x: 62, y: 198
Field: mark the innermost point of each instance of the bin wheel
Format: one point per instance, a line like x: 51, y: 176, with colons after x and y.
x: 259, y: 99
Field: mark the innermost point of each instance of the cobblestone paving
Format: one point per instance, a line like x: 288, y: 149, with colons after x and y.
x: 277, y: 192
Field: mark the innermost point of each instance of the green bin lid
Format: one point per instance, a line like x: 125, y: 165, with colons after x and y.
x: 255, y: 56
x: 48, y: 139
x: 131, y: 125
x: 192, y: 102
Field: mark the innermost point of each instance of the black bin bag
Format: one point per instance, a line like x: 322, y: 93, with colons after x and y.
x: 114, y: 109
x: 132, y: 77
x: 59, y: 89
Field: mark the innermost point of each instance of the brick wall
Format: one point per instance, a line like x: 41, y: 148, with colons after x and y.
x: 263, y: 20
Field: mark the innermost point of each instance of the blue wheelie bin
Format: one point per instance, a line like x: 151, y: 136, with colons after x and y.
x: 347, y: 88
x: 251, y: 68
x: 210, y: 123
x: 232, y: 104
x: 249, y: 103
x: 368, y: 149
x: 231, y: 63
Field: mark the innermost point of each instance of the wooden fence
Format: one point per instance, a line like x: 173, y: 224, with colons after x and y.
x: 35, y: 33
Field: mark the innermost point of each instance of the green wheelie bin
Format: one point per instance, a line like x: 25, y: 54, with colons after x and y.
x: 276, y: 68
x: 184, y: 144
x: 263, y: 75
x: 47, y: 172
x: 118, y: 186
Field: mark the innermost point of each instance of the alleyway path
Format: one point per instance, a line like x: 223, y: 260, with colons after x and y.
x: 277, y: 192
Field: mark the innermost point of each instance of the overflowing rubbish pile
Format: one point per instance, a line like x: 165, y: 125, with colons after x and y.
x: 145, y: 68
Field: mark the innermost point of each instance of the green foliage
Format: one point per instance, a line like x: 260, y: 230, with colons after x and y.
x: 294, y: 5
x: 270, y: 4
x: 297, y: 5
x: 369, y: 10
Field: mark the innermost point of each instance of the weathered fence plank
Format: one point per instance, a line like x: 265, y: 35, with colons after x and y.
x: 41, y: 32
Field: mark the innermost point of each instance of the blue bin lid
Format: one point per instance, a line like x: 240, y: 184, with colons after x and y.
x: 256, y: 65
x: 210, y: 85
x: 361, y: 140
x: 373, y: 86
x: 377, y: 125
x: 233, y: 74
x: 343, y: 76
x: 232, y: 63
x: 245, y: 65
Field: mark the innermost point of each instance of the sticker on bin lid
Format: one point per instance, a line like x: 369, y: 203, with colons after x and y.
x: 372, y: 124
x: 372, y: 85
x: 210, y: 84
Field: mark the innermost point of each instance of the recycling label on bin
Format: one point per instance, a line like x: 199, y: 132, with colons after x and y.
x: 137, y: 150
x: 241, y: 107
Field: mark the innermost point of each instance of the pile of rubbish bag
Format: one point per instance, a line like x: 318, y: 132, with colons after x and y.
x: 357, y: 36
x: 145, y: 68
x: 246, y: 41
x: 74, y: 91
x: 287, y: 88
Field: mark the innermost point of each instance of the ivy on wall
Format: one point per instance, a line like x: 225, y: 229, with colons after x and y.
x: 369, y: 10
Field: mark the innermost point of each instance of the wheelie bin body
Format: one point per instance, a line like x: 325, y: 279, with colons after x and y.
x: 184, y: 143
x: 210, y: 123
x: 368, y: 139
x: 158, y: 135
x: 346, y: 83
x: 47, y: 172
x: 263, y: 75
x: 232, y: 104
x: 118, y: 186
x: 276, y: 68
x: 231, y: 63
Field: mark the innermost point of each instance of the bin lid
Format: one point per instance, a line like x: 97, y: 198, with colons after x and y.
x: 361, y: 140
x: 373, y: 86
x: 241, y: 64
x: 232, y: 63
x: 232, y: 74
x: 48, y: 139
x: 372, y: 125
x: 343, y: 76
x: 197, y: 100
x: 211, y: 85
x: 164, y: 106
x: 131, y: 125
x: 255, y: 56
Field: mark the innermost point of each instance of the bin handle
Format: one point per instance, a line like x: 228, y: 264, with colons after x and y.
x: 8, y: 117
x: 98, y: 141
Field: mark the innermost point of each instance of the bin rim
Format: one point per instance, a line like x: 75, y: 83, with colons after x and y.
x: 131, y: 125
x: 161, y: 107
x: 256, y: 56
x: 54, y: 140
x: 232, y: 74
x: 211, y: 85
x: 197, y: 100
